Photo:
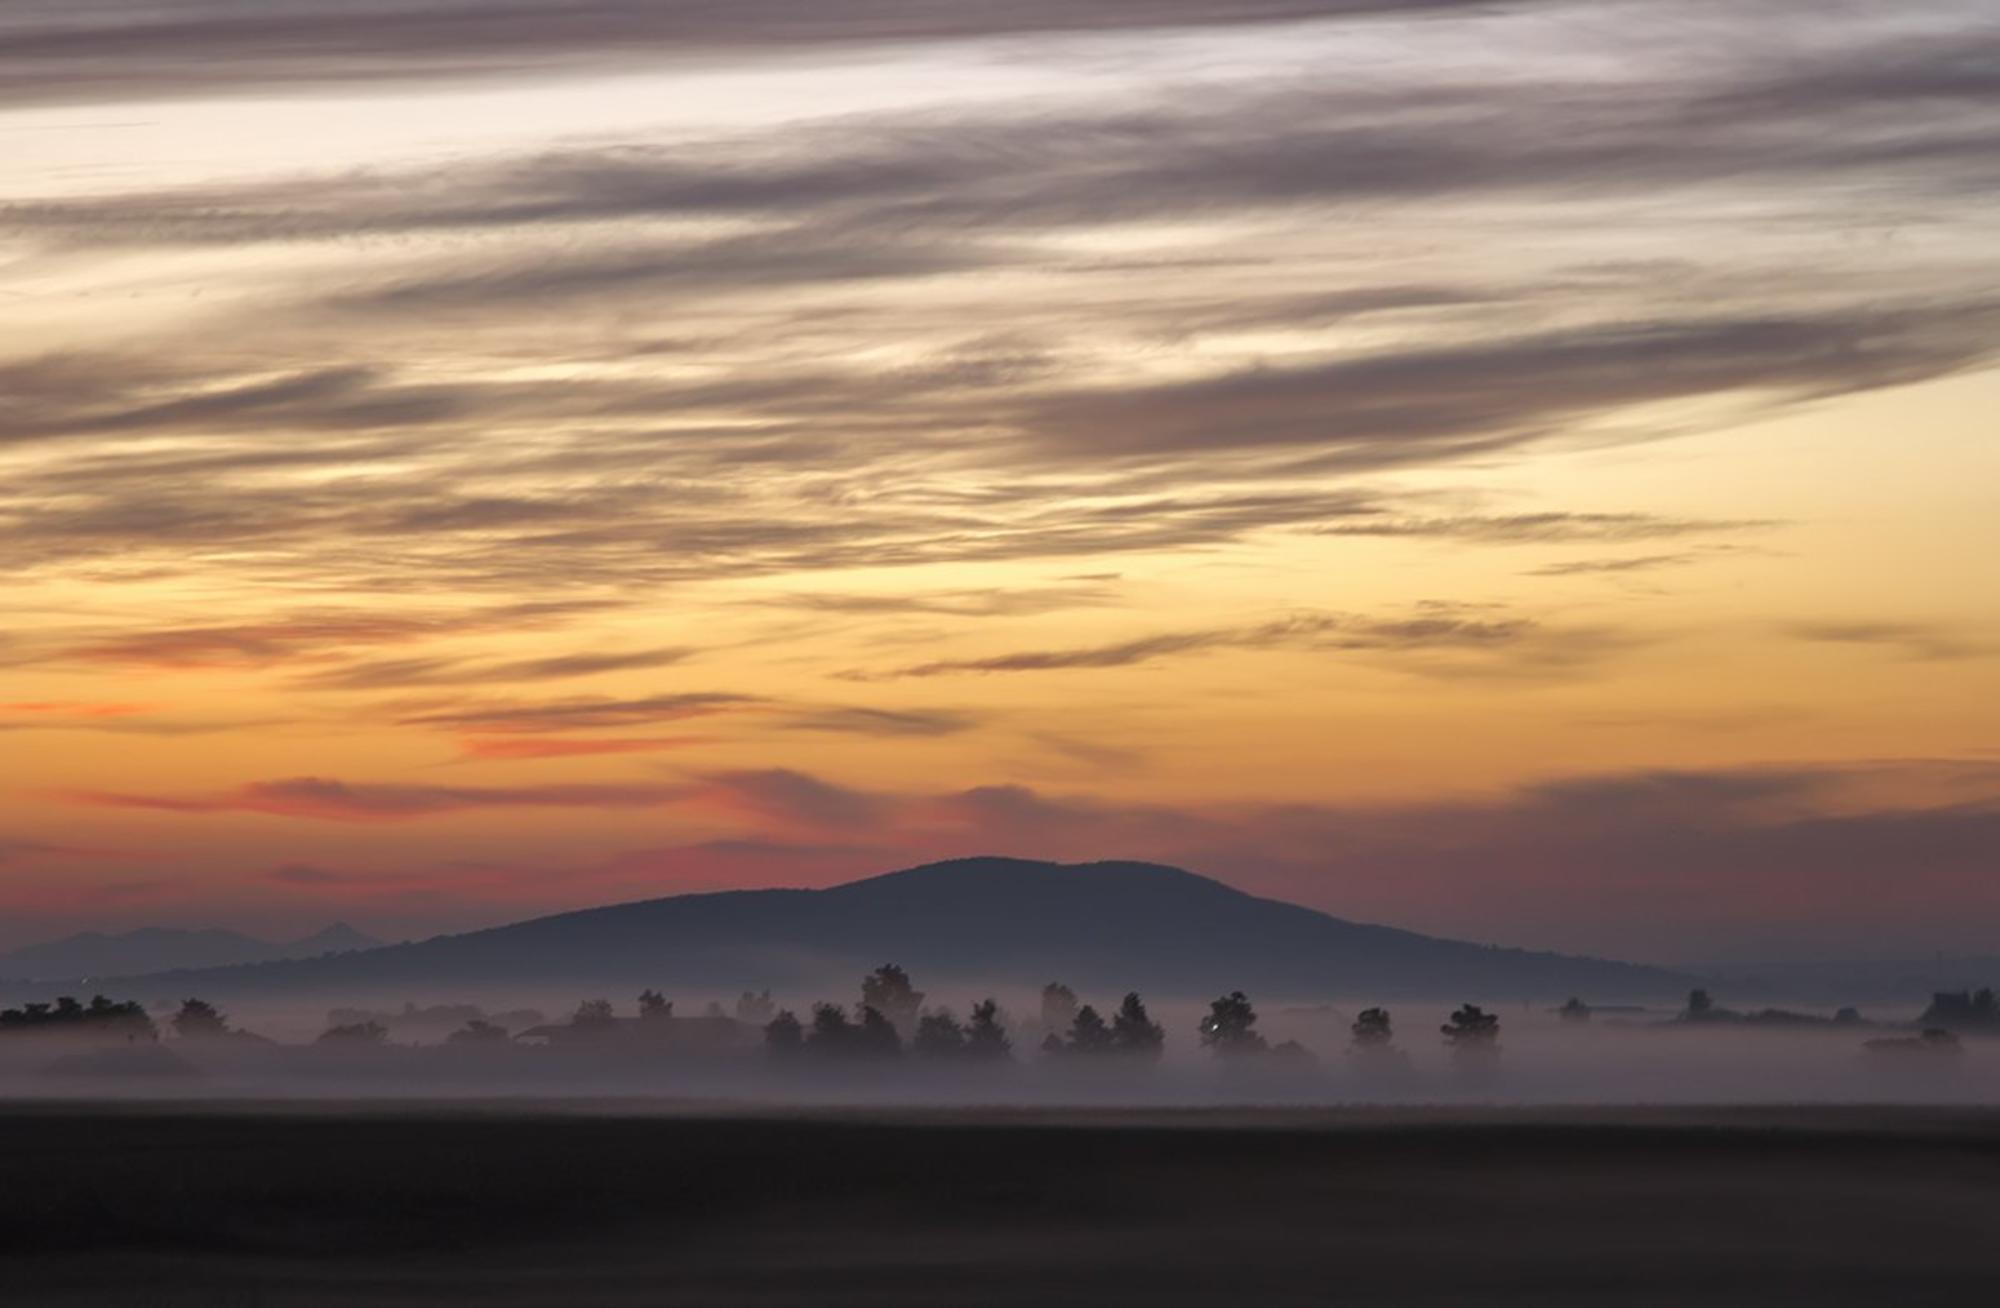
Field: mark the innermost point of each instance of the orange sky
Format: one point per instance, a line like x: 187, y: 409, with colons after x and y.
x: 1518, y: 471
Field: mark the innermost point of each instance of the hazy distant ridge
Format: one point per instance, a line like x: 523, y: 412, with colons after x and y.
x: 164, y: 949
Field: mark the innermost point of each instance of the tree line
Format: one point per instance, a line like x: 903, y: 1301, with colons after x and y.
x: 890, y: 1020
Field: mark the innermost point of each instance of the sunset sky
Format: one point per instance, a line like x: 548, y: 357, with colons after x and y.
x: 1522, y: 471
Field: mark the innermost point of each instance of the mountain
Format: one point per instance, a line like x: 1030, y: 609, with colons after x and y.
x: 165, y: 949
x: 1004, y: 923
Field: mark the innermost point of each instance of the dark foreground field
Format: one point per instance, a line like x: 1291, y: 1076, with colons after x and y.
x: 504, y: 1206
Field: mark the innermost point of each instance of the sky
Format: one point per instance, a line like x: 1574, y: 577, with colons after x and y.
x: 1524, y: 471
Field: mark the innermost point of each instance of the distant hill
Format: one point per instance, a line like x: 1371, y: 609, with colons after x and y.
x: 1910, y: 981
x: 164, y: 949
x: 1004, y: 923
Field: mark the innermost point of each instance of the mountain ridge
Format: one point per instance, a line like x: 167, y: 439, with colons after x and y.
x: 993, y: 920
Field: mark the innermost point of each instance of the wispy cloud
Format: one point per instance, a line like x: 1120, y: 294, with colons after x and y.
x: 384, y: 674
x: 102, y: 50
x: 587, y: 713
x: 861, y: 721
x: 334, y: 800
x: 1918, y: 640
x: 545, y: 747
x: 1443, y: 629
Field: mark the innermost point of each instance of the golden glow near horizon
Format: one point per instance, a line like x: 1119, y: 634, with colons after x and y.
x: 1526, y: 472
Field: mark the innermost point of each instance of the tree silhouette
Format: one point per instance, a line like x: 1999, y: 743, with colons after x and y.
x: 755, y: 1009
x: 1058, y: 1007
x: 478, y: 1031
x: 1472, y: 1027
x: 1371, y: 1029
x: 102, y: 1017
x: 1134, y: 1032
x: 653, y: 1006
x: 888, y: 991
x: 875, y: 1036
x: 832, y: 1035
x: 1575, y: 1011
x: 1700, y: 1006
x: 783, y: 1034
x: 1965, y: 1009
x: 986, y: 1036
x: 199, y: 1020
x: 939, y: 1035
x: 1088, y: 1034
x: 594, y: 1013
x: 1230, y: 1026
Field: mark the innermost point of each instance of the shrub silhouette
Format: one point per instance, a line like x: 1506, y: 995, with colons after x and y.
x: 199, y: 1020
x: 1472, y: 1027
x: 783, y: 1034
x: 355, y: 1034
x: 1134, y: 1032
x: 1964, y: 1010
x: 756, y: 1009
x: 478, y: 1031
x: 1371, y: 1029
x: 1575, y: 1010
x: 1230, y: 1027
x: 653, y: 1006
x: 593, y: 1013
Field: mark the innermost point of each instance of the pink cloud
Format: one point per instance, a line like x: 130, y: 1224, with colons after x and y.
x: 480, y: 747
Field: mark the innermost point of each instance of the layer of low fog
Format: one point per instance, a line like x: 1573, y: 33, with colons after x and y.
x: 713, y: 1050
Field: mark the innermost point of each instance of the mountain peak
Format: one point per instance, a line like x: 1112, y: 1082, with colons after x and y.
x: 1003, y: 873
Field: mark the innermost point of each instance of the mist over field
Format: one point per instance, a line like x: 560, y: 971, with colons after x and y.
x: 1539, y: 1059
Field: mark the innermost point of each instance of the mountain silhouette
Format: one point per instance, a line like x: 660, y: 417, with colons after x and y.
x: 160, y: 949
x: 997, y: 922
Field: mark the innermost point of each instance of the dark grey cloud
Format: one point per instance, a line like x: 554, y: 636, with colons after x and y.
x: 1873, y: 117
x: 753, y: 439
x: 101, y: 50
x: 1427, y: 404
